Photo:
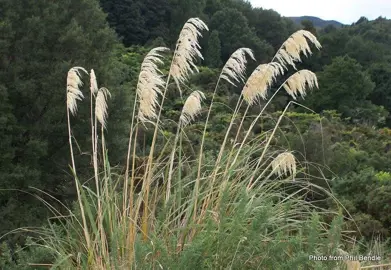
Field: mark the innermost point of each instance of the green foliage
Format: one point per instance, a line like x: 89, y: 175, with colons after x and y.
x: 41, y: 40
x: 213, y: 52
x: 383, y: 176
x: 309, y: 26
x: 235, y: 245
x: 270, y: 26
x: 31, y: 256
x: 234, y: 36
x: 344, y: 85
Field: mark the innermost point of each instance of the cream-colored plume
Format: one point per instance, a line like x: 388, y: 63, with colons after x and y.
x: 101, y: 105
x: 93, y: 82
x: 235, y: 67
x: 187, y: 50
x: 191, y: 108
x: 296, y: 84
x: 297, y: 43
x: 73, y: 90
x: 260, y: 81
x: 284, y: 163
x: 149, y: 84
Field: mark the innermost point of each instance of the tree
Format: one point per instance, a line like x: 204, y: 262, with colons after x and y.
x: 364, y: 51
x: 362, y: 20
x: 213, y: 53
x: 181, y: 11
x: 239, y: 34
x: 344, y: 86
x: 126, y: 17
x: 309, y: 26
x: 268, y: 25
x: 41, y: 41
x: 381, y: 75
x: 212, y: 6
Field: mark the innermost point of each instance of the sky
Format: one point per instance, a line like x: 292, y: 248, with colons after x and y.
x: 344, y: 11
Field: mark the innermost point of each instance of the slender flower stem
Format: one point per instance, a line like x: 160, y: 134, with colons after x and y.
x: 86, y: 235
x: 125, y: 202
x: 254, y: 122
x: 217, y: 167
x: 148, y: 173
x: 269, y: 140
x: 168, y: 189
x: 197, y: 183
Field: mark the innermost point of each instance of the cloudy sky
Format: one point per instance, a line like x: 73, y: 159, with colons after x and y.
x: 345, y: 11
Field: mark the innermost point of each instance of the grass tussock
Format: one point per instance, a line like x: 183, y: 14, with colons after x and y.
x: 241, y: 207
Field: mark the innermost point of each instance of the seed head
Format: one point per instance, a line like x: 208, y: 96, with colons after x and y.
x: 296, y: 84
x: 260, y: 81
x: 191, y: 108
x: 101, y: 105
x: 150, y: 83
x: 284, y: 163
x: 187, y: 50
x: 297, y: 43
x: 93, y: 82
x: 235, y: 67
x: 73, y: 90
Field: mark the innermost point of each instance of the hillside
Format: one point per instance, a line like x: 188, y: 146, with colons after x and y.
x: 318, y: 22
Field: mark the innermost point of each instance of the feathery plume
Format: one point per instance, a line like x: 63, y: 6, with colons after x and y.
x: 297, y: 43
x: 149, y: 84
x: 296, y: 84
x: 284, y: 163
x: 101, y: 105
x: 260, y: 81
x: 73, y: 90
x: 187, y: 50
x: 235, y: 67
x: 192, y: 107
x: 93, y: 82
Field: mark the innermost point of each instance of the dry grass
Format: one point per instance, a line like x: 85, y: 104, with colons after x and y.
x: 74, y: 94
x: 73, y: 88
x: 117, y: 222
x: 260, y: 81
x: 150, y: 84
x: 299, y: 82
x: 101, y: 105
x: 191, y: 108
x: 296, y: 44
x: 284, y: 163
x: 93, y: 83
x: 234, y: 69
x: 187, y: 51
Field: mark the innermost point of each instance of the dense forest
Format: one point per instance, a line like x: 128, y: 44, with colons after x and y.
x: 341, y: 132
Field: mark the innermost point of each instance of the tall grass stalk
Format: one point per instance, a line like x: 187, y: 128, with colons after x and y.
x: 73, y: 94
x: 238, y: 210
x: 185, y: 53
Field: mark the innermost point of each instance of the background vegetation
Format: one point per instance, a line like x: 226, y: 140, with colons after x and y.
x: 348, y: 135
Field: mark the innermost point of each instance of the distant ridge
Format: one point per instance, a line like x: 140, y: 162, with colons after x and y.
x: 318, y: 22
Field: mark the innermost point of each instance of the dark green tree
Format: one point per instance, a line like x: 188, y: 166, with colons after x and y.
x: 213, y: 52
x: 239, y: 34
x: 344, y: 86
x: 381, y: 76
x: 181, y: 11
x: 309, y: 26
x: 41, y: 41
x: 127, y: 18
x: 268, y: 25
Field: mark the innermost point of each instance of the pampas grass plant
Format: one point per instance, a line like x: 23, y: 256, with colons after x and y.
x: 239, y: 209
